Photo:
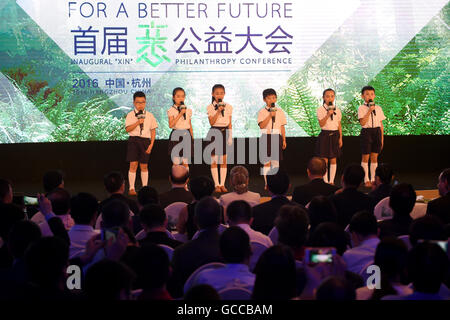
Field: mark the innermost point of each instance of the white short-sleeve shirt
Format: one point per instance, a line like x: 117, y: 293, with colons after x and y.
x: 222, y: 120
x: 374, y: 120
x: 149, y: 124
x: 182, y: 124
x: 331, y: 124
x: 272, y: 126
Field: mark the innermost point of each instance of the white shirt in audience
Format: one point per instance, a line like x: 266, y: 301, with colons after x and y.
x: 231, y: 275
x: 357, y: 258
x: 79, y: 235
x: 256, y: 235
x: 38, y: 218
x: 65, y: 218
x: 252, y: 198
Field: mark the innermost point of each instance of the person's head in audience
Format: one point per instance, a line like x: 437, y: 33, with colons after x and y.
x: 202, y: 292
x: 383, y: 174
x: 321, y: 209
x: 335, y: 288
x: 153, y: 218
x: 427, y: 267
x: 84, y: 208
x: 60, y: 199
x: 353, y: 176
x: 6, y: 193
x: 114, y: 182
x: 147, y: 195
x: 179, y: 176
x: 201, y: 187
x: 444, y: 182
x: 239, y: 179
x: 317, y: 168
x: 292, y: 225
x: 391, y: 256
x: 239, y: 212
x: 363, y: 226
x: 108, y: 280
x: 402, y: 200
x: 275, y: 275
x: 115, y: 213
x: 53, y: 179
x: 207, y: 213
x: 9, y: 215
x: 22, y: 234
x: 152, y: 268
x: 426, y: 228
x: 235, y: 246
x: 277, y: 181
x: 46, y: 261
x: 330, y: 234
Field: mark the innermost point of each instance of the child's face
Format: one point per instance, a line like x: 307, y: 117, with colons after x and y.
x: 139, y: 103
x: 328, y: 97
x: 271, y: 98
x: 368, y: 95
x: 179, y: 97
x: 218, y: 93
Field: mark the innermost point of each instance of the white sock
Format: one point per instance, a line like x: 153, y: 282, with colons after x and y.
x: 144, y: 178
x: 131, y: 179
x: 366, y: 171
x: 325, y: 177
x: 215, y: 175
x: 373, y: 167
x: 265, y: 170
x: 332, y: 172
x: 223, y: 175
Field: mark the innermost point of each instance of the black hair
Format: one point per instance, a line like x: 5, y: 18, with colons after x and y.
x: 391, y: 256
x: 4, y: 188
x: 22, y: 234
x: 9, y: 215
x: 216, y: 86
x: 113, y: 181
x: 330, y: 234
x: 445, y: 175
x: 52, y: 179
x: 147, y: 195
x: 106, y: 279
x: 427, y: 267
x: 384, y: 172
x: 152, y: 267
x: 335, y: 288
x: 201, y: 187
x: 60, y: 199
x: 269, y: 92
x: 202, y: 292
x: 235, y: 245
x: 317, y: 166
x: 239, y: 211
x: 402, y: 199
x: 152, y: 215
x: 367, y: 88
x: 115, y: 213
x: 83, y: 208
x: 321, y: 209
x: 353, y: 175
x: 428, y: 227
x: 292, y: 225
x: 207, y: 213
x: 174, y: 92
x: 138, y: 94
x: 275, y: 275
x: 278, y: 183
x: 46, y: 260
x: 325, y: 91
x: 364, y: 223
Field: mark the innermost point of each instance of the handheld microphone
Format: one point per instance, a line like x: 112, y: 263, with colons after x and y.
x: 273, y: 109
x: 371, y: 103
x: 219, y: 103
x: 181, y: 107
x: 141, y: 115
x: 330, y: 104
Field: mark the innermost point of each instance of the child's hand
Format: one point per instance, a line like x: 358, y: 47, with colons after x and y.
x: 340, y: 143
x: 372, y: 108
x: 183, y: 111
x: 284, y: 144
x: 330, y: 112
x: 141, y: 121
x: 148, y: 150
x: 273, y: 114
